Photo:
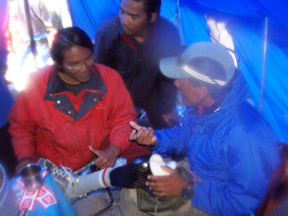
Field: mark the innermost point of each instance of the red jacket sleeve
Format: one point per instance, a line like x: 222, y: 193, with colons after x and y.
x: 121, y: 108
x: 22, y: 128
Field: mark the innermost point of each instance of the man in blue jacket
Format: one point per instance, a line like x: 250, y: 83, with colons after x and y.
x: 231, y: 150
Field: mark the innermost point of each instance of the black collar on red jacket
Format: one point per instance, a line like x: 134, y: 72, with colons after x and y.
x: 56, y: 91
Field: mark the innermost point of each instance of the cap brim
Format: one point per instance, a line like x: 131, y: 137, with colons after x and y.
x: 171, y: 69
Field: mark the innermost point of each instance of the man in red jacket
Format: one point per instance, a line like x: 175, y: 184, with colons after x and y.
x: 71, y: 107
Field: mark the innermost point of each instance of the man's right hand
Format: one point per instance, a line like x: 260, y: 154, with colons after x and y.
x: 106, y: 157
x: 142, y: 135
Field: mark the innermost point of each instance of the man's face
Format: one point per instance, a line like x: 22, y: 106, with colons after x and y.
x: 133, y: 17
x: 190, y: 94
x: 77, y: 63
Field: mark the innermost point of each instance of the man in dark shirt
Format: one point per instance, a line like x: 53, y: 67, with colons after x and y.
x: 132, y: 44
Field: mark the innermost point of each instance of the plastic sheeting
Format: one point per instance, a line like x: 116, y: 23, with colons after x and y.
x: 245, y: 20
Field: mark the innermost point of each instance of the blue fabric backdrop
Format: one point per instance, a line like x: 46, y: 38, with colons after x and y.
x: 6, y: 99
x: 246, y: 22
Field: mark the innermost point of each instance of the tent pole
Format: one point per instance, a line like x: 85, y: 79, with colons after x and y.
x: 30, y: 31
x: 263, y: 65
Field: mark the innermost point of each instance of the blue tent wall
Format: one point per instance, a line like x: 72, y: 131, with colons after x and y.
x: 245, y: 19
x: 87, y: 14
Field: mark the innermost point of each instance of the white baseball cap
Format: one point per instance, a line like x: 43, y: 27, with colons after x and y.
x: 205, y: 61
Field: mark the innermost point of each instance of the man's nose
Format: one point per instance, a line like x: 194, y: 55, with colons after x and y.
x: 124, y: 19
x: 84, y: 66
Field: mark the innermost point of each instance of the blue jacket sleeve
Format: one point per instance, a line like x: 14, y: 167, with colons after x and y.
x: 174, y: 140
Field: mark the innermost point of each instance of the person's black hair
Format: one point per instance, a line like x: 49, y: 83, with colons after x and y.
x: 65, y: 39
x: 151, y: 6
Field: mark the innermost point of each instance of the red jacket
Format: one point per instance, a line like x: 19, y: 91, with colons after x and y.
x: 49, y: 121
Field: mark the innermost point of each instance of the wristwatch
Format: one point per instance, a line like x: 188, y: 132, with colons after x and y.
x: 188, y: 190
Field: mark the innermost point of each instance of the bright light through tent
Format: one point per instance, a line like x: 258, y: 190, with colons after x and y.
x: 219, y: 33
x: 21, y: 62
x: 20, y: 79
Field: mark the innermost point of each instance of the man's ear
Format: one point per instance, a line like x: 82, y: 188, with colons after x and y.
x: 203, y: 91
x: 153, y: 17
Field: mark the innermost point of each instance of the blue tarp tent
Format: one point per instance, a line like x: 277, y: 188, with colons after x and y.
x: 260, y: 34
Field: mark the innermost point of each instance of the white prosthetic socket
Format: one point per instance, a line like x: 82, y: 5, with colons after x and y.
x: 94, y: 181
x: 156, y: 161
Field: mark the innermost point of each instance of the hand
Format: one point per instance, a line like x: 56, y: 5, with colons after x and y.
x: 171, y: 185
x: 142, y: 135
x: 105, y: 158
x: 23, y: 163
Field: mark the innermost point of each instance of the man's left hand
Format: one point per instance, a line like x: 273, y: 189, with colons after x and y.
x: 171, y: 185
x: 105, y: 158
